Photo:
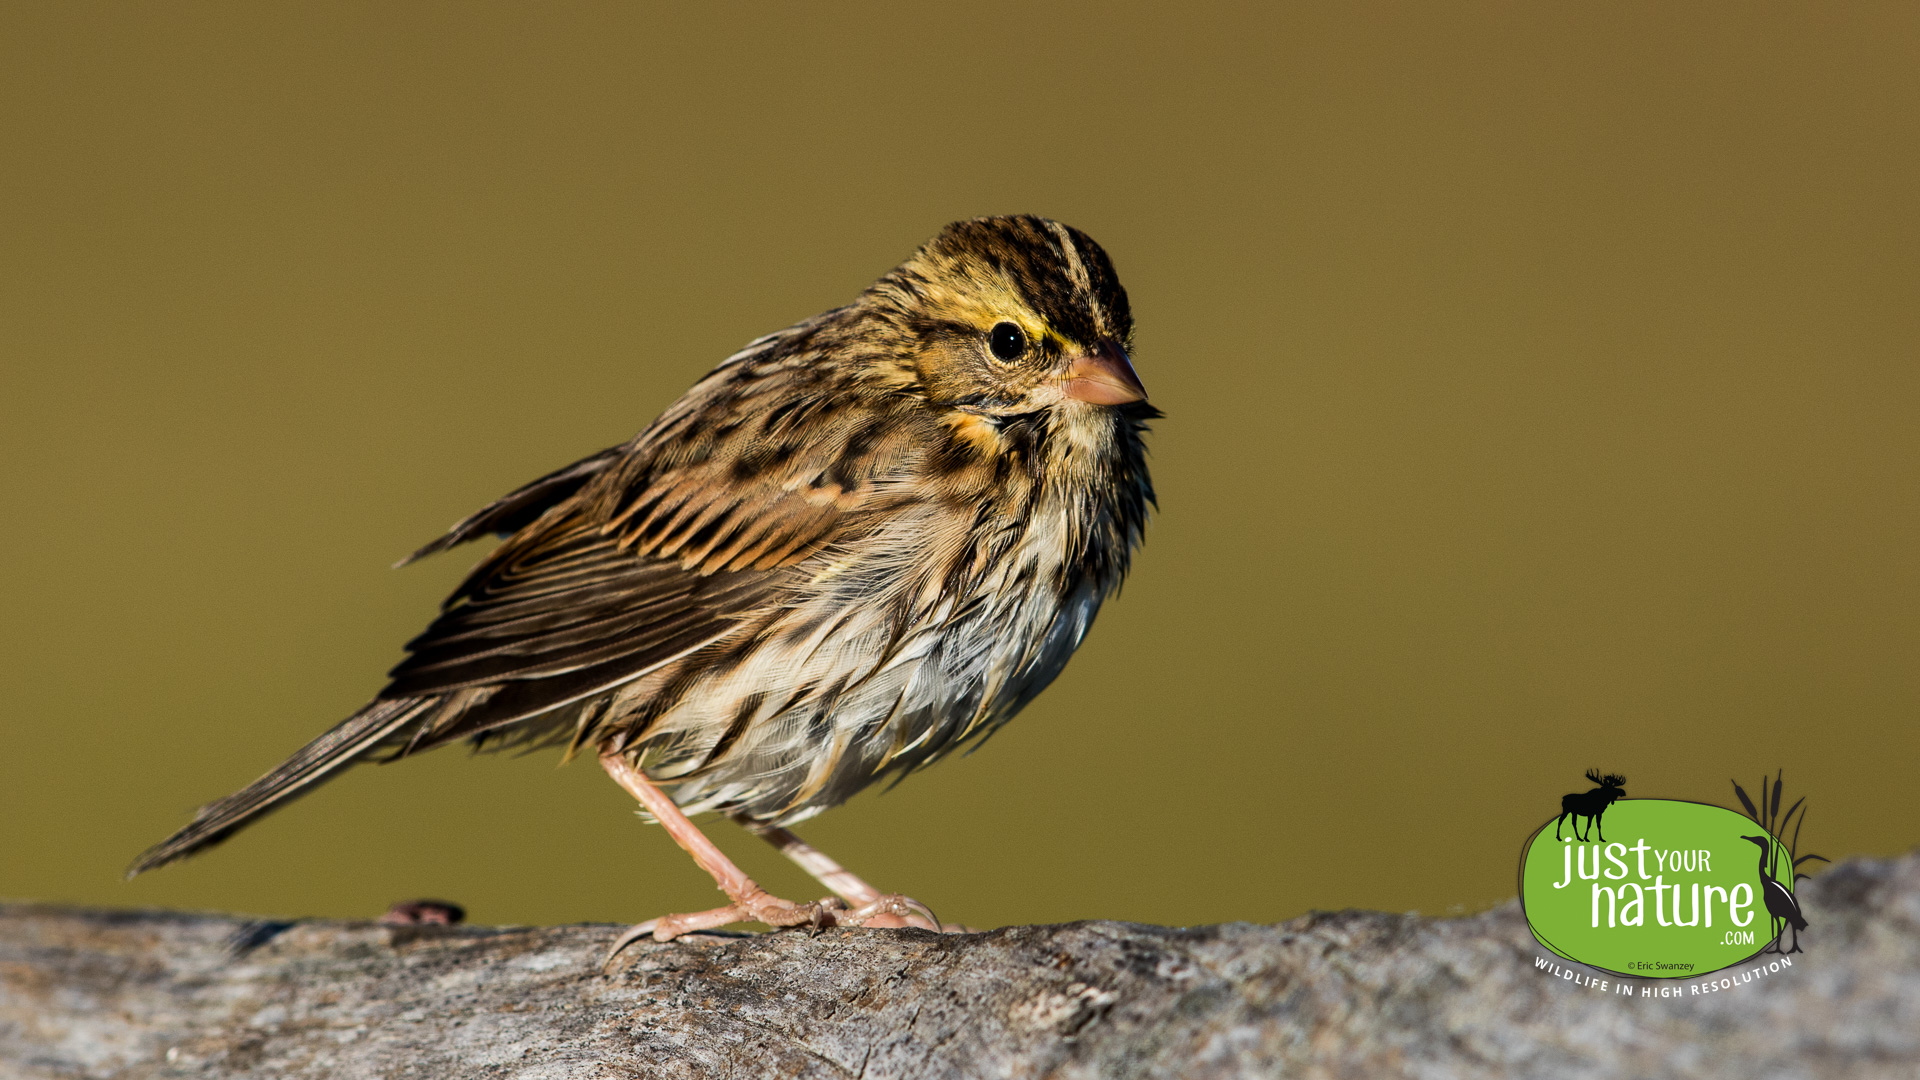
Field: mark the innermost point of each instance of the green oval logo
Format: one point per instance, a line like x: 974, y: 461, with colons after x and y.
x: 1668, y: 890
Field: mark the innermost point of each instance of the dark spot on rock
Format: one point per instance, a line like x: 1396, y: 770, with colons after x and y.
x: 424, y: 913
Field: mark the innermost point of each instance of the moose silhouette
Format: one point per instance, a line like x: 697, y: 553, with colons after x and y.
x: 1591, y: 804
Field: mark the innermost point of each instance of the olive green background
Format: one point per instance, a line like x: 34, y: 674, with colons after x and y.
x: 1541, y: 385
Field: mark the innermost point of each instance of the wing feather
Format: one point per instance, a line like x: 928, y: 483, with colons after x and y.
x: 677, y: 541
x: 520, y: 507
x: 611, y: 605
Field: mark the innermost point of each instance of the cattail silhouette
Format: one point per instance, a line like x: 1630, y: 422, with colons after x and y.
x: 1779, y: 899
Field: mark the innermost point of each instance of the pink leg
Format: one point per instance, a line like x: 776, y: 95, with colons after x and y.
x: 844, y: 883
x: 750, y: 903
x: 870, y: 907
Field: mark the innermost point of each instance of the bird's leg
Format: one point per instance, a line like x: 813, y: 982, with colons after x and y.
x: 750, y: 903
x: 869, y: 906
x: 818, y: 864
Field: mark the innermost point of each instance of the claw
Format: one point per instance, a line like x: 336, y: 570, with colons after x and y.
x: 760, y: 908
x: 906, y: 908
x: 632, y: 934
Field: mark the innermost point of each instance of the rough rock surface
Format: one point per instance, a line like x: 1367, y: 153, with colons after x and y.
x: 1359, y: 994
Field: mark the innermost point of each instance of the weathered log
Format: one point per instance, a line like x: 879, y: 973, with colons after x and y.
x: 154, y: 994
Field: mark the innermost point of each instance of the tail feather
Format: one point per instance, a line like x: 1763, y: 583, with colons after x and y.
x: 348, y: 741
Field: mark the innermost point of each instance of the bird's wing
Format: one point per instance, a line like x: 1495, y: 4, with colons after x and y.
x: 617, y: 565
x: 673, y: 546
x: 520, y: 507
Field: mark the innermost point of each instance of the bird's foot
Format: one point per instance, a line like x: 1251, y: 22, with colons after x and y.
x: 758, y: 906
x: 893, y: 911
x: 867, y: 906
x: 890, y: 911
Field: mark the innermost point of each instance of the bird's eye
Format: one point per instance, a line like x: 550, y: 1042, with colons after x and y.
x: 1007, y: 341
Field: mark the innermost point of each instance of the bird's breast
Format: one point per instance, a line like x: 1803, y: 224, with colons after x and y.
x: 890, y: 661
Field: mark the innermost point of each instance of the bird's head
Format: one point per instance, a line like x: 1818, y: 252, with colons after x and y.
x: 1005, y: 317
x: 1766, y: 844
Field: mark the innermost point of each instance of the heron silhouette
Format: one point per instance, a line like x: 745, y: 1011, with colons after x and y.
x: 1779, y: 900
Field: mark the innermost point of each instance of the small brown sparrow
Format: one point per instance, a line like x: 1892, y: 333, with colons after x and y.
x: 856, y: 545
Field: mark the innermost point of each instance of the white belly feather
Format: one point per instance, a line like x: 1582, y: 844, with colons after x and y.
x: 854, y: 699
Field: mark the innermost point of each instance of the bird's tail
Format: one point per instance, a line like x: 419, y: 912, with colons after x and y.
x: 348, y: 741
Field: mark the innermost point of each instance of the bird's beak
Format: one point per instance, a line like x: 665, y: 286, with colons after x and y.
x: 1103, y: 377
